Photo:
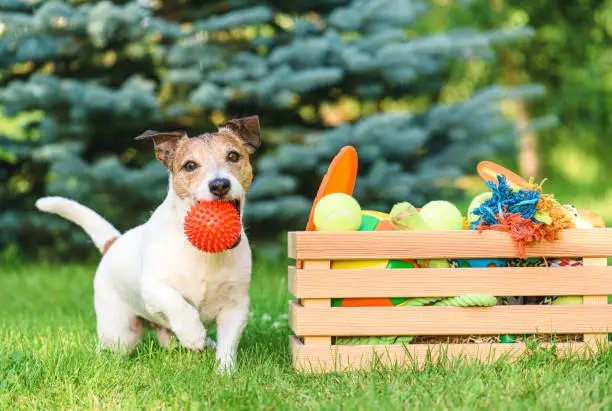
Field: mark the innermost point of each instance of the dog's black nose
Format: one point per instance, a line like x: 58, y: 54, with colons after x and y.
x: 220, y: 186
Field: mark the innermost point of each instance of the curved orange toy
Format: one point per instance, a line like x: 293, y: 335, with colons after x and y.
x: 489, y: 171
x: 366, y: 302
x: 339, y: 178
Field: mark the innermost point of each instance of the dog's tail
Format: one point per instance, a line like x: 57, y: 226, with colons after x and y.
x: 101, y: 231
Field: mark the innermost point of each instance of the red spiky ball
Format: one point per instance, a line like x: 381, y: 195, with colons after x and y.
x: 212, y: 226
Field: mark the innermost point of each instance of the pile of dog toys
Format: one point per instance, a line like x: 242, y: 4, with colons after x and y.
x: 512, y: 205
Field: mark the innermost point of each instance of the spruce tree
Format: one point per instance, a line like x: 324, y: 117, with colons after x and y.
x: 91, y: 75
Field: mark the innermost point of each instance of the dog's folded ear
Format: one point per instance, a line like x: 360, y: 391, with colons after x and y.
x: 165, y: 143
x: 247, y: 129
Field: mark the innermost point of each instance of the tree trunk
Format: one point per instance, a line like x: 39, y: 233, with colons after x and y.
x: 528, y: 158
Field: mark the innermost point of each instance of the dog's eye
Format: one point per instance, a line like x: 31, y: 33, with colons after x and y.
x: 190, y: 166
x: 233, y: 157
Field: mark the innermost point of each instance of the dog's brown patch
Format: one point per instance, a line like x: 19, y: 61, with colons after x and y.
x: 165, y: 144
x: 108, y: 244
x: 246, y: 129
x: 209, y: 151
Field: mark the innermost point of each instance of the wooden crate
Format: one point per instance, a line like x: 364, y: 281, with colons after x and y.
x: 314, y: 284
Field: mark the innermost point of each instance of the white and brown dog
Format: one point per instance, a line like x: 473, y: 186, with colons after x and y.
x: 152, y: 274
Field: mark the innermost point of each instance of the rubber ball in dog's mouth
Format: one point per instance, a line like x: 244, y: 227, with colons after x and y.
x: 213, y: 226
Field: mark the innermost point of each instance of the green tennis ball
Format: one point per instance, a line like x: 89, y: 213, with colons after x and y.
x: 337, y: 212
x: 442, y: 215
x: 476, y: 202
x: 404, y: 216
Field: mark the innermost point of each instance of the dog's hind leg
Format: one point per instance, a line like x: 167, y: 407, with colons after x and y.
x: 164, y: 335
x: 119, y: 329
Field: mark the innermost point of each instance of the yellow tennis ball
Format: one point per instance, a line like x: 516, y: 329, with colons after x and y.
x: 337, y: 212
x: 442, y: 215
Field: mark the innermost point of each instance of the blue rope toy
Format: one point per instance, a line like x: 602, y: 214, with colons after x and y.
x: 506, y: 200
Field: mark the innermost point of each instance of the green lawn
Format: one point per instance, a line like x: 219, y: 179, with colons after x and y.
x: 47, y: 360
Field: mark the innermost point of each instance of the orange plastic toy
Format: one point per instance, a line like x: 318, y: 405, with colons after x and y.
x: 489, y: 171
x: 340, y: 178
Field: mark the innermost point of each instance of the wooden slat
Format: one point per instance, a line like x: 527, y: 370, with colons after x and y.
x: 317, y: 245
x: 321, y: 340
x: 445, y: 282
x: 358, y: 321
x: 597, y: 300
x: 359, y: 357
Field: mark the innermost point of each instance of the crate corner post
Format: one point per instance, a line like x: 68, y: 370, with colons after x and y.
x: 310, y: 353
x: 596, y: 340
x: 317, y: 302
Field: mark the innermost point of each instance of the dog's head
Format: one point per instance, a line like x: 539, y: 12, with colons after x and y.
x: 211, y: 166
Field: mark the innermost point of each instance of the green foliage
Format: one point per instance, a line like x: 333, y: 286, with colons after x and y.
x: 101, y: 72
x: 569, y: 54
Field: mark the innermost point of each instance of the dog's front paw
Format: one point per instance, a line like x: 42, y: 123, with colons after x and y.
x: 194, y: 344
x: 226, y: 366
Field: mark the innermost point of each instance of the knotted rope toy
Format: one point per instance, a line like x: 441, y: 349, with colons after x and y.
x: 528, y: 215
x: 213, y: 226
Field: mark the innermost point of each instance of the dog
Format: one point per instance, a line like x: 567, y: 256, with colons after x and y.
x: 151, y: 274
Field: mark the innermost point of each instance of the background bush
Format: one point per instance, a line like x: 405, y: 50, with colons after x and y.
x: 416, y: 86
